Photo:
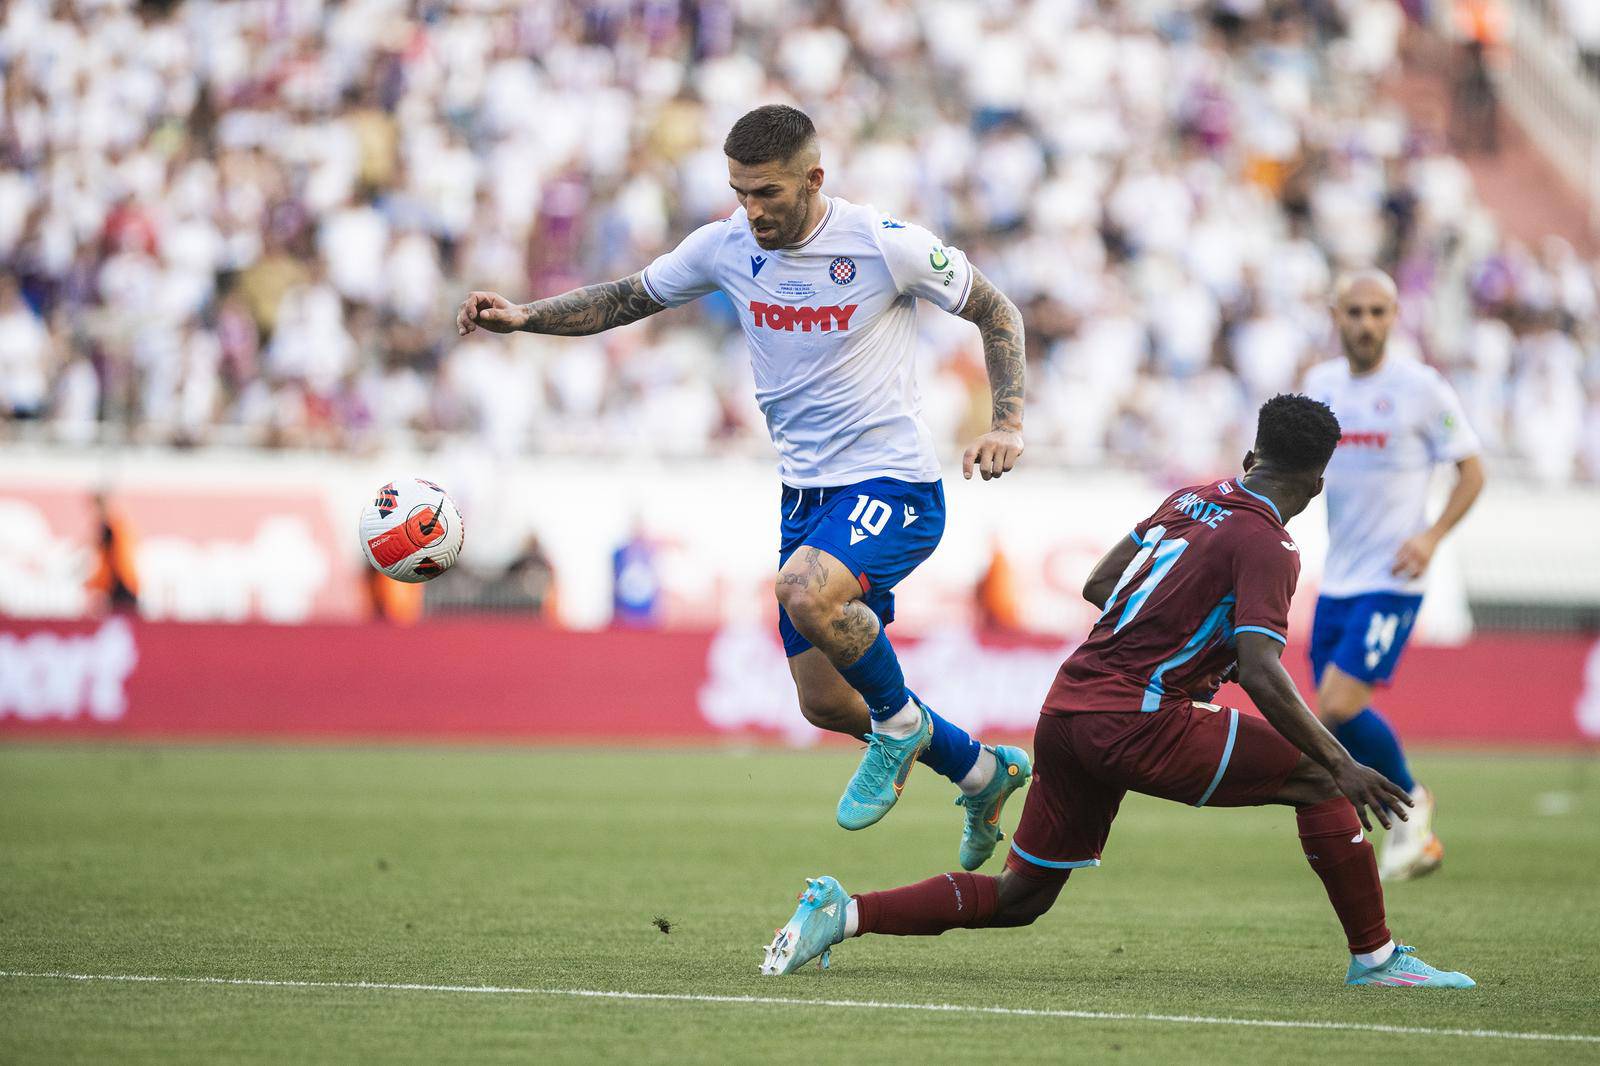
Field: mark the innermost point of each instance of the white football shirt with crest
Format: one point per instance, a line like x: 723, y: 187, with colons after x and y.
x: 831, y: 325
x: 1396, y: 424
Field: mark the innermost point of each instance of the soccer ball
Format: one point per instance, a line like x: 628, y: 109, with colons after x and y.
x: 411, y: 530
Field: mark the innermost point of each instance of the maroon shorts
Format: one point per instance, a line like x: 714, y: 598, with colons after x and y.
x: 1206, y: 756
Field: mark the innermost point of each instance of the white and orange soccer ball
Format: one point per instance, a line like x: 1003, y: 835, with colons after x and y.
x: 411, y: 530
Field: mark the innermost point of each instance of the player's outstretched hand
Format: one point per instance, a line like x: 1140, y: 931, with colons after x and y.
x: 992, y: 454
x: 1412, y: 560
x: 1364, y: 787
x: 490, y: 310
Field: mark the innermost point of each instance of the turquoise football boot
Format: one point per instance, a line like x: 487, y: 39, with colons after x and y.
x: 982, y: 831
x: 1404, y: 970
x: 877, y: 782
x: 817, y: 925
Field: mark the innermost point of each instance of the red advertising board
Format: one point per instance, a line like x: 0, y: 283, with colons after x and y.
x: 511, y: 680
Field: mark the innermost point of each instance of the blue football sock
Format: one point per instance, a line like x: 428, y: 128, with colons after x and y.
x: 952, y: 752
x: 877, y: 676
x: 1371, y: 741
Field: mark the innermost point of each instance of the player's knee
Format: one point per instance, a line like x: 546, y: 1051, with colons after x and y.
x: 1024, y: 900
x: 1309, y: 783
x: 807, y: 608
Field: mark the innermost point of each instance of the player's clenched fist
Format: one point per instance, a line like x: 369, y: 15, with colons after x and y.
x: 490, y: 310
x: 992, y: 454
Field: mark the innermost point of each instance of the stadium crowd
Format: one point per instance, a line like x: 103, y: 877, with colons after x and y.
x: 249, y: 220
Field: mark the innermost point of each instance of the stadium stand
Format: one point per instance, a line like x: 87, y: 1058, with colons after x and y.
x: 247, y: 222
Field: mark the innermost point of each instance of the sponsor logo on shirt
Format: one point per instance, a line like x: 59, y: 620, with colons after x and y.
x: 756, y: 263
x: 842, y: 270
x: 939, y: 259
x: 892, y: 223
x: 1364, y: 440
x: 784, y: 317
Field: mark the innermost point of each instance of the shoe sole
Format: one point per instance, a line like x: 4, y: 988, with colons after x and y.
x: 786, y: 941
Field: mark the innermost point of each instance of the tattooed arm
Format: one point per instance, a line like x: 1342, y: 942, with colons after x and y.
x: 1000, y: 323
x: 578, y: 313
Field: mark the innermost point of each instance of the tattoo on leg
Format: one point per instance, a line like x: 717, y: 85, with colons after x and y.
x: 815, y: 572
x: 852, y: 633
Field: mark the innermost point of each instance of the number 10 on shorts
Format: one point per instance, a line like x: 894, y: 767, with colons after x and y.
x: 872, y: 515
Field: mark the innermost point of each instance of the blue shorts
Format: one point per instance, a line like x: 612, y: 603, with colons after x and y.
x: 881, y: 529
x: 1362, y: 635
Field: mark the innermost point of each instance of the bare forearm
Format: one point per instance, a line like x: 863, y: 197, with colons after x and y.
x: 1274, y: 694
x: 1469, y: 483
x: 1004, y: 354
x: 592, y: 309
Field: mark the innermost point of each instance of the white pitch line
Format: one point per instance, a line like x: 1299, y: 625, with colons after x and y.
x: 864, y: 1004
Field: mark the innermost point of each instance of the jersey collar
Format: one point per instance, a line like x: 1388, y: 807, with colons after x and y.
x: 1239, y: 481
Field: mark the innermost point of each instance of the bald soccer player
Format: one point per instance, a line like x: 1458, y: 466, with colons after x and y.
x: 1400, y: 420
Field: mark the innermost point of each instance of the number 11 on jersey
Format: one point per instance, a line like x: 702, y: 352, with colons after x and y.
x: 1162, y: 553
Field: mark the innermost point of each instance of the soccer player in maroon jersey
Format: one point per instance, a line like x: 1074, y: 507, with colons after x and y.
x: 1197, y: 594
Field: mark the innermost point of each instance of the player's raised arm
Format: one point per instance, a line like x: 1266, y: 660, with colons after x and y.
x: 592, y: 309
x: 1263, y: 677
x: 1000, y: 324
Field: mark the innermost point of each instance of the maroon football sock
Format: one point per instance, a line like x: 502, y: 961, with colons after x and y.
x: 928, y: 908
x: 1341, y: 854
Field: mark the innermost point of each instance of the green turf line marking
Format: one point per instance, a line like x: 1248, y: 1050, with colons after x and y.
x: 862, y: 1004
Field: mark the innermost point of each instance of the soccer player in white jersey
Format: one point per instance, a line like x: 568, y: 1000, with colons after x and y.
x: 827, y: 293
x: 1400, y: 419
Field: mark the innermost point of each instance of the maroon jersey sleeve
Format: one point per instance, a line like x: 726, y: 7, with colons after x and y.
x: 1266, y: 568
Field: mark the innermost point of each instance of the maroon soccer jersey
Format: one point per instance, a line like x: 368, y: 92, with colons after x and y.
x: 1214, y: 561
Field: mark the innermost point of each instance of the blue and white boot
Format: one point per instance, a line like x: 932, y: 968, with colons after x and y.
x: 817, y: 925
x: 1403, y: 969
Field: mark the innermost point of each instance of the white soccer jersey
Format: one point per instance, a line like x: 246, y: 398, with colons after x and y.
x: 1397, y: 422
x: 831, y: 324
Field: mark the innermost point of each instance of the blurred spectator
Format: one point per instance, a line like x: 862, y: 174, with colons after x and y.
x: 1475, y: 108
x: 636, y: 581
x: 249, y: 221
x: 115, y: 581
x: 399, y: 602
x: 531, y: 578
x: 24, y: 355
x: 999, y: 606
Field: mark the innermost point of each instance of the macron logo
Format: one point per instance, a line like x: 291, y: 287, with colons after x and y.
x: 780, y: 316
x: 756, y: 263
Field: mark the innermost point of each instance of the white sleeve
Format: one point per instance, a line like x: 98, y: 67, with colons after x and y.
x: 688, y: 271
x: 924, y: 266
x: 1449, y: 438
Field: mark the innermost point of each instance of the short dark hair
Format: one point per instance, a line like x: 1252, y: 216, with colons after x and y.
x: 1296, y: 433
x: 771, y: 133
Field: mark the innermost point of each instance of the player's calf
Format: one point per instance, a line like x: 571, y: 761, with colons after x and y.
x: 826, y: 916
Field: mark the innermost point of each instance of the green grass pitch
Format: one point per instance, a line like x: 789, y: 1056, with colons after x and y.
x: 545, y: 870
